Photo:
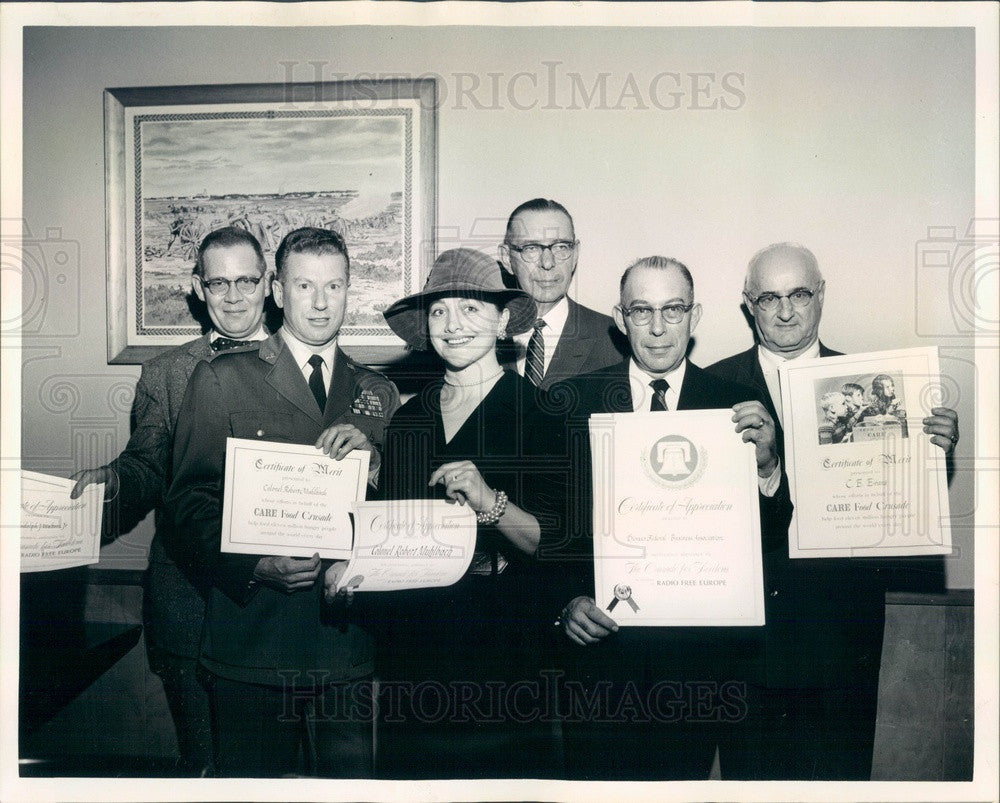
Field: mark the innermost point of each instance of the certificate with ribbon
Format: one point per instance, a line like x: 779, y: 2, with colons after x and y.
x: 291, y: 500
x: 58, y: 532
x: 676, y: 520
x: 865, y: 479
x: 410, y: 543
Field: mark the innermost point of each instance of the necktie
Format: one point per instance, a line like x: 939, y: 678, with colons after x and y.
x: 534, y: 363
x: 659, y: 402
x: 316, y: 383
x: 226, y: 343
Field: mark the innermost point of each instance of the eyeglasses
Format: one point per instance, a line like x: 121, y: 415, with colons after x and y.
x: 220, y: 287
x: 561, y: 250
x: 641, y: 315
x: 770, y: 301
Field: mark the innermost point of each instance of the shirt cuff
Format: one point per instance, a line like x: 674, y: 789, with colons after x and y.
x: 769, y: 485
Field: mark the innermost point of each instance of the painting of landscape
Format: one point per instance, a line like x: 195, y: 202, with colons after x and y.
x: 270, y: 175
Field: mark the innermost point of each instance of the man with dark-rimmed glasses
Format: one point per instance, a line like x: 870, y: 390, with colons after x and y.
x: 230, y: 277
x: 653, y: 703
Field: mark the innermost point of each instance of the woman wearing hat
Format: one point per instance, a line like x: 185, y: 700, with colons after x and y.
x: 476, y: 436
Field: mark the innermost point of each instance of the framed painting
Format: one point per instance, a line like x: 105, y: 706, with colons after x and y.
x: 355, y: 156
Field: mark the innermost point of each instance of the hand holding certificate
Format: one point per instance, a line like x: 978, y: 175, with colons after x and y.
x: 676, y: 520
x: 409, y: 543
x: 866, y: 481
x: 289, y: 500
x: 58, y: 532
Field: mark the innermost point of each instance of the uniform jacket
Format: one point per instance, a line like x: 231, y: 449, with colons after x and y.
x: 252, y: 632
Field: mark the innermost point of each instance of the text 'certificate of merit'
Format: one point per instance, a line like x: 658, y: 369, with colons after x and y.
x: 58, y: 532
x: 410, y: 543
x: 676, y: 520
x: 865, y: 478
x: 290, y: 500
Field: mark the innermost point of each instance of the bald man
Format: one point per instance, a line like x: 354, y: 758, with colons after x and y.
x: 825, y: 617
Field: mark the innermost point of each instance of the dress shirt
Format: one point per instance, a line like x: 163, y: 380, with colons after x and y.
x: 769, y: 362
x: 642, y: 394
x: 302, y: 352
x: 555, y: 321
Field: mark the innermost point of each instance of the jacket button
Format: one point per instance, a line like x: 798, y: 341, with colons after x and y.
x: 774, y: 593
x: 260, y: 433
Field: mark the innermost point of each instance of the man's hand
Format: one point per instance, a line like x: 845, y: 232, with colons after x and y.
x: 287, y: 574
x: 757, y: 427
x: 942, y: 426
x: 585, y: 623
x: 341, y: 439
x: 92, y: 476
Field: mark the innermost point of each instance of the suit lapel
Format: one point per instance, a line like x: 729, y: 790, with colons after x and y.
x: 693, y: 395
x: 286, y: 378
x: 340, y: 394
x: 571, y: 350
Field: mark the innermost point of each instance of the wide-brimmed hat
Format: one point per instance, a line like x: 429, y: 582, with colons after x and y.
x: 462, y: 272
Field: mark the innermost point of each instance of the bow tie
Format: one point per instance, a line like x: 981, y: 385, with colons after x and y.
x: 226, y: 343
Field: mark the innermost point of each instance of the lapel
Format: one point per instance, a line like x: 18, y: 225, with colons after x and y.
x: 201, y: 348
x: 340, y: 394
x: 286, y: 379
x: 693, y: 395
x: 617, y: 393
x: 572, y: 349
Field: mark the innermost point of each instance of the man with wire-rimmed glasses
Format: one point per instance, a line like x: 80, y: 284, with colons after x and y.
x: 825, y: 617
x: 541, y: 251
x: 230, y: 277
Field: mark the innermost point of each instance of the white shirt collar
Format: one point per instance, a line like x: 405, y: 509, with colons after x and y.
x: 642, y: 393
x: 302, y: 352
x: 770, y: 360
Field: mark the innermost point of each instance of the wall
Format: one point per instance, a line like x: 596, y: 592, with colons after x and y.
x: 852, y: 141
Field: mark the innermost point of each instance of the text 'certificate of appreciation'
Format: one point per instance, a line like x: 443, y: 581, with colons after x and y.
x: 58, y: 532
x: 410, y: 543
x: 865, y: 478
x: 676, y: 520
x: 290, y: 500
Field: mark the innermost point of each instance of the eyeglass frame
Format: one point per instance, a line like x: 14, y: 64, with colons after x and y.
x: 254, y: 281
x: 631, y: 310
x: 519, y: 249
x: 810, y: 295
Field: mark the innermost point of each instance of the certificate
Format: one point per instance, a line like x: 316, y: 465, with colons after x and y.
x: 287, y: 499
x: 865, y: 479
x: 411, y: 543
x: 58, y: 532
x: 676, y: 520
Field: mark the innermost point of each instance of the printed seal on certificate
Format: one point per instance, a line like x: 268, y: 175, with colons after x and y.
x: 623, y: 593
x: 674, y: 461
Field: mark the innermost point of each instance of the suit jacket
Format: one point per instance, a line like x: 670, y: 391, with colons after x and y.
x: 825, y: 616
x: 253, y: 633
x: 587, y: 344
x: 173, y: 605
x: 608, y: 391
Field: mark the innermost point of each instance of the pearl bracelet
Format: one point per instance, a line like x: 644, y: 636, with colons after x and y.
x: 492, y: 516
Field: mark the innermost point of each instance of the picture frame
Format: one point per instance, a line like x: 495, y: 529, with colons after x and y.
x: 181, y: 161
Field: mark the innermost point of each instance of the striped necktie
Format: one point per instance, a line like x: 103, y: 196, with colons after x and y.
x: 659, y: 402
x: 534, y: 363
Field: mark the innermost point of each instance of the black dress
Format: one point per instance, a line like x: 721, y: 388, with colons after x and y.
x: 450, y: 657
